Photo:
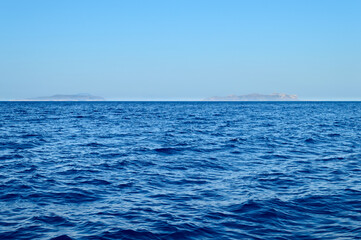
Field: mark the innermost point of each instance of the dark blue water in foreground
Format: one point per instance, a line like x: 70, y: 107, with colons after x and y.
x: 122, y: 170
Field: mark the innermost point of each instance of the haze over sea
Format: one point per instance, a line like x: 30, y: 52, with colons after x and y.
x: 180, y: 170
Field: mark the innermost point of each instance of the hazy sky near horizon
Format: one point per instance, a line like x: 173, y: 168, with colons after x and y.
x: 187, y: 49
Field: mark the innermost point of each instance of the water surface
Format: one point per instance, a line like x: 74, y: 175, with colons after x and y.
x: 180, y: 170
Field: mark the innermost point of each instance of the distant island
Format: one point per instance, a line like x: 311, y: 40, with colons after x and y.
x: 256, y: 97
x: 61, y: 97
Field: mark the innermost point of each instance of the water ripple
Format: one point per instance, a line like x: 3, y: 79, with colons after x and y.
x: 171, y: 170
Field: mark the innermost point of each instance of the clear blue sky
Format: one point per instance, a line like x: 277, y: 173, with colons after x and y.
x: 180, y: 49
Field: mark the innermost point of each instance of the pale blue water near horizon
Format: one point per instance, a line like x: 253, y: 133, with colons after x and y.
x: 180, y: 170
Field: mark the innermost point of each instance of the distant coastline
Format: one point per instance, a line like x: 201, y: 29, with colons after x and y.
x: 63, y: 97
x: 256, y: 97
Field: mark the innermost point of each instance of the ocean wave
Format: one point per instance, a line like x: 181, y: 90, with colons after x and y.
x: 191, y: 170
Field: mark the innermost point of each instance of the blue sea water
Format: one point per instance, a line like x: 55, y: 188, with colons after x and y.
x: 180, y: 170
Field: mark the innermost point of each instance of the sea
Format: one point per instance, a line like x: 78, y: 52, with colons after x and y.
x: 180, y: 170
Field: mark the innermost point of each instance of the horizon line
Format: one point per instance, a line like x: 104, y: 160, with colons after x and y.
x: 184, y: 100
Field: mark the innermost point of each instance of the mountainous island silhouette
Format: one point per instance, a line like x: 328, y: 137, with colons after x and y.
x: 256, y: 97
x: 63, y: 97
